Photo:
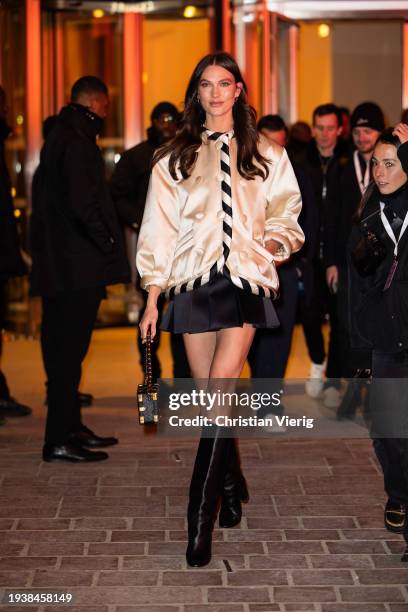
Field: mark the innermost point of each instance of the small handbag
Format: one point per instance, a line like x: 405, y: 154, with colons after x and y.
x: 147, y: 392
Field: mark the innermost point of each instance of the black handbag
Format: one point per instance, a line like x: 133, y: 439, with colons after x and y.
x: 147, y: 392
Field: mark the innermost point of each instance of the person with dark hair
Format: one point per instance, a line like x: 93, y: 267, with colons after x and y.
x: 221, y: 211
x: 11, y: 262
x: 367, y: 123
x: 274, y: 128
x: 300, y: 135
x: 269, y: 353
x: 379, y: 315
x: 129, y: 185
x: 404, y: 116
x: 322, y: 161
x: 77, y: 250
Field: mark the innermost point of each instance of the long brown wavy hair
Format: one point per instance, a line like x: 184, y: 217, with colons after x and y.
x: 183, y: 147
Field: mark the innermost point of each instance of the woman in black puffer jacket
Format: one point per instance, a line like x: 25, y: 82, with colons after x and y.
x: 378, y: 298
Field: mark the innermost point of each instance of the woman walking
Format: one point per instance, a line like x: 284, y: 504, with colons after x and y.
x: 379, y: 309
x: 222, y: 208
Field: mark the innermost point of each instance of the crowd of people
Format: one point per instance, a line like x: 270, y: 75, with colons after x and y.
x: 243, y: 228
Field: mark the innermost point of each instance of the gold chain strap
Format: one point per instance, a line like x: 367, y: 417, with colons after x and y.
x: 148, y: 375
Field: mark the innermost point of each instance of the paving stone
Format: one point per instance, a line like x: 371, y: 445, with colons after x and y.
x: 331, y: 522
x: 151, y: 523
x: 26, y: 563
x: 193, y: 578
x: 62, y: 578
x: 341, y: 561
x: 181, y: 536
x: 276, y: 522
x: 10, y: 550
x: 365, y: 607
x: 356, y: 547
x: 142, y: 595
x: 317, y: 577
x: 253, y: 535
x: 39, y: 524
x: 137, y: 536
x: 89, y: 563
x: 277, y: 561
x: 116, y: 548
x: 286, y: 548
x: 153, y: 563
x: 257, y: 577
x: 369, y: 594
x: 48, y: 549
x: 237, y: 594
x: 100, y: 523
x: 387, y: 560
x: 58, y: 537
x: 383, y: 576
x: 13, y: 578
x: 215, y: 608
x: 370, y: 534
x: 311, y: 534
x: 148, y: 608
x: 304, y: 594
x: 6, y: 524
x: 128, y: 578
x: 264, y: 607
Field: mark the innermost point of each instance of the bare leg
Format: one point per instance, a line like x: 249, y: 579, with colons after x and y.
x: 200, y: 350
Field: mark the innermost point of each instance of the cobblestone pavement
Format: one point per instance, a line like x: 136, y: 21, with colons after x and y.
x: 113, y: 534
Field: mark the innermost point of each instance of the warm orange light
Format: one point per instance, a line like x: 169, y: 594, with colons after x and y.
x: 17, y: 213
x: 145, y: 77
x: 13, y: 192
x: 19, y: 119
x: 98, y: 13
x: 190, y: 11
x: 323, y: 30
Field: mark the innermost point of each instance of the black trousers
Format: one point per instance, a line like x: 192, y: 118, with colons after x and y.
x: 269, y: 353
x: 66, y: 329
x: 181, y: 368
x: 4, y: 390
x: 392, y: 452
x: 311, y: 315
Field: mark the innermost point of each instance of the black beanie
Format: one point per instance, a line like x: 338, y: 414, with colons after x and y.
x: 368, y: 114
x: 162, y: 108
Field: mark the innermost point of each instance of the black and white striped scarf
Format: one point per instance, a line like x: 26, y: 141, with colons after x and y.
x: 221, y: 264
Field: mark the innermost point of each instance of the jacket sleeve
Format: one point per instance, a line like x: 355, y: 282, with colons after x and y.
x: 159, y: 229
x: 123, y: 186
x: 283, y: 208
x: 84, y: 193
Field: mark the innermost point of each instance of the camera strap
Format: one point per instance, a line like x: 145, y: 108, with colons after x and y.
x: 390, y: 231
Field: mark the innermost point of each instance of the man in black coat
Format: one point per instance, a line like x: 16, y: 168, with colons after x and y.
x: 323, y: 160
x: 11, y: 263
x: 77, y: 250
x: 129, y: 185
x: 270, y: 349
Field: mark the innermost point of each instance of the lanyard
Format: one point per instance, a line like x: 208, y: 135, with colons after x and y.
x: 389, y: 231
x: 362, y: 182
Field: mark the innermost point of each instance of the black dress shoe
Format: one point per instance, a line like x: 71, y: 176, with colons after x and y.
x: 395, y: 517
x: 85, y: 399
x: 71, y: 454
x: 86, y: 437
x: 11, y: 408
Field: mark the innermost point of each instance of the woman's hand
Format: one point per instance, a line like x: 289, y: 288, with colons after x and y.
x: 273, y: 246
x: 150, y: 315
x: 401, y: 130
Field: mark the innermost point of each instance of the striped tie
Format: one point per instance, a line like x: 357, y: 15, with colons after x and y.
x: 226, y: 197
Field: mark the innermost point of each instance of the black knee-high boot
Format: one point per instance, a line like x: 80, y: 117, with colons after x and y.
x: 207, y: 481
x: 235, y: 491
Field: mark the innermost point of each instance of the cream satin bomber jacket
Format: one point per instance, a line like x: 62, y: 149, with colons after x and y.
x: 181, y: 233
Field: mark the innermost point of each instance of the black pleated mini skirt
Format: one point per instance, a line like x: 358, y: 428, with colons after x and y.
x: 218, y: 304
